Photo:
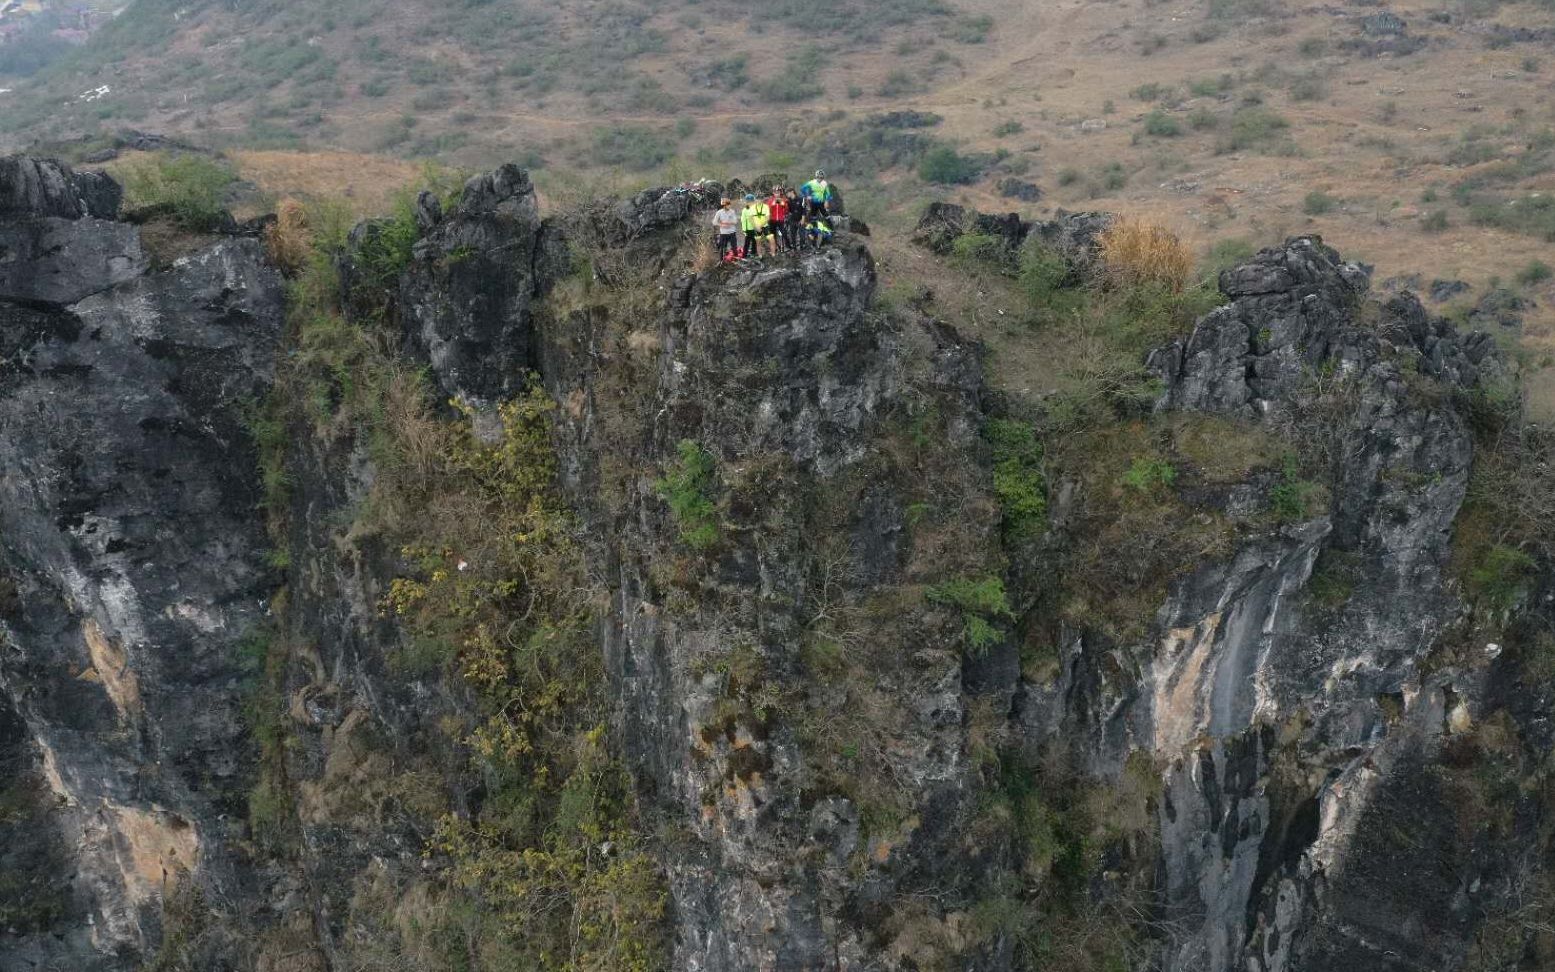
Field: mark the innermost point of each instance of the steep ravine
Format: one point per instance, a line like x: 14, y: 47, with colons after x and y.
x: 815, y: 622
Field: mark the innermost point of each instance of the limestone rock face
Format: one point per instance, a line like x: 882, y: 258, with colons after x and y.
x: 1270, y: 886
x: 132, y: 557
x: 811, y: 717
x: 466, y: 299
x: 785, y: 376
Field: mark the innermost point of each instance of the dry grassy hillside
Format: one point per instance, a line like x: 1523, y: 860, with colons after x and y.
x: 1418, y: 136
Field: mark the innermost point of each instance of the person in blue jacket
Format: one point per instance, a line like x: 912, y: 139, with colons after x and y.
x: 817, y: 194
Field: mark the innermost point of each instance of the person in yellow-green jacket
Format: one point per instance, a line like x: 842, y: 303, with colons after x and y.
x: 818, y: 231
x: 755, y: 222
x: 817, y: 194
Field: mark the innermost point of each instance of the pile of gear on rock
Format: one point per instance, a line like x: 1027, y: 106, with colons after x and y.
x: 786, y: 220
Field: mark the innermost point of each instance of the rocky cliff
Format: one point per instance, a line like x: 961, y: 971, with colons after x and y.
x: 133, y: 564
x: 529, y: 600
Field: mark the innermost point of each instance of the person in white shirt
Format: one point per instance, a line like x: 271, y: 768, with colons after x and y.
x: 727, y: 219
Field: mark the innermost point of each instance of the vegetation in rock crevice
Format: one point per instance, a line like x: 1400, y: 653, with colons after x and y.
x: 534, y: 859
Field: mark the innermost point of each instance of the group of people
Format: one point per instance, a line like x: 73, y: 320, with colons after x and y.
x: 785, y: 220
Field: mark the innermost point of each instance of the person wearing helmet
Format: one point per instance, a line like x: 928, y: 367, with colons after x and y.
x: 777, y: 214
x: 817, y: 194
x: 727, y: 219
x: 754, y: 219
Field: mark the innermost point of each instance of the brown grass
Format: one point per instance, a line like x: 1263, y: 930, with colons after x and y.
x: 1135, y: 251
x: 368, y: 182
x: 704, y: 255
x: 290, y: 239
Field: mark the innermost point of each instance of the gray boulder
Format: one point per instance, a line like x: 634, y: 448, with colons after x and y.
x: 467, y: 298
x: 31, y: 187
x: 57, y: 241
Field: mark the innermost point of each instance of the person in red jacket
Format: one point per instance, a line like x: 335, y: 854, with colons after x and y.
x: 777, y: 205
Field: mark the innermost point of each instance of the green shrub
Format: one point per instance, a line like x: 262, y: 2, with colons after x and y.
x: 1225, y: 254
x: 1533, y: 215
x: 1293, y: 498
x: 1149, y: 475
x: 1313, y: 47
x: 1008, y: 128
x: 898, y: 83
x: 981, y: 250
x: 1111, y: 178
x: 1332, y: 582
x: 1210, y: 87
x: 944, y: 165
x: 1308, y: 88
x: 729, y: 73
x: 788, y: 88
x: 1536, y: 272
x: 1252, y: 127
x: 1500, y: 576
x: 193, y: 188
x: 1162, y: 125
x: 982, y: 602
x: 687, y: 488
x: 972, y: 30
x: 1018, y: 480
x: 1048, y: 282
x: 1473, y: 150
x: 1435, y: 222
x: 798, y: 80
x: 1239, y: 9
x: 1152, y: 91
x: 633, y: 147
x: 386, y: 248
x: 1318, y: 203
x: 1149, y: 43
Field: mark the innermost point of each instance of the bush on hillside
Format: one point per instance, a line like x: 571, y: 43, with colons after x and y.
x: 1533, y: 215
x: 191, y: 188
x: 634, y: 147
x: 1252, y: 127
x: 1240, y: 9
x: 1536, y: 272
x: 1019, y: 482
x: 1162, y: 125
x: 1318, y: 203
x: 944, y: 165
